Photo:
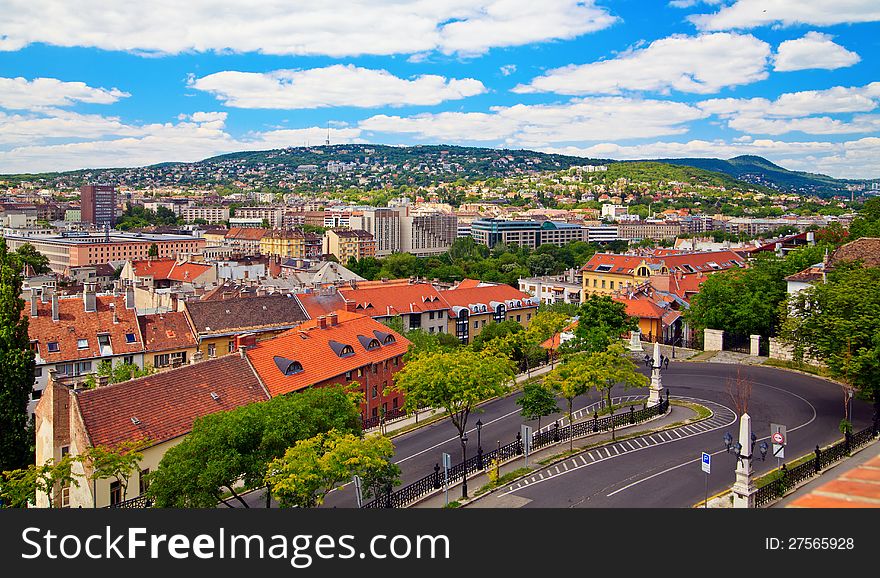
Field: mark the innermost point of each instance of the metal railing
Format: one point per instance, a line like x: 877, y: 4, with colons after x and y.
x: 410, y: 493
x: 133, y: 503
x: 790, y: 478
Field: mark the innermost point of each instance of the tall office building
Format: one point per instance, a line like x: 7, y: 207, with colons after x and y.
x: 98, y: 204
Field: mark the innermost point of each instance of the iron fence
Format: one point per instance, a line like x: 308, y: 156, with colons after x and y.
x: 790, y: 478
x: 377, y: 420
x: 134, y: 503
x: 410, y: 493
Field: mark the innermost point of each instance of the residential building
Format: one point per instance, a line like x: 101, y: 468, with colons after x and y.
x: 216, y: 323
x: 347, y: 244
x: 72, y: 335
x: 340, y: 348
x: 384, y: 225
x: 293, y: 243
x: 419, y: 304
x: 98, y: 205
x: 76, y: 249
x: 168, y: 339
x: 102, y: 275
x: 207, y: 214
x: 427, y: 233
x: 158, y: 410
x: 164, y: 273
x: 656, y: 230
x: 565, y: 288
x: 18, y: 216
x: 245, y: 241
x: 271, y: 214
x: 613, y: 212
x: 472, y: 305
x: 602, y: 234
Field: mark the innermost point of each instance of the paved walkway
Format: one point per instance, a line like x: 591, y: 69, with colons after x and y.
x: 675, y: 415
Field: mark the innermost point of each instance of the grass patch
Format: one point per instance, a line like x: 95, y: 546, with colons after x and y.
x: 454, y: 504
x: 503, y: 480
x: 799, y: 366
x: 702, y: 411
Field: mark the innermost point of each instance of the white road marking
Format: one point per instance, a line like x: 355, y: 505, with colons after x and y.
x: 630, y: 445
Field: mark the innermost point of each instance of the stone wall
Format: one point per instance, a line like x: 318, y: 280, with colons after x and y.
x: 713, y: 340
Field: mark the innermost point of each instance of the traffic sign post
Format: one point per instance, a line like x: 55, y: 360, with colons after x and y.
x: 447, y: 463
x: 706, y: 465
x: 779, y: 438
x: 526, y: 434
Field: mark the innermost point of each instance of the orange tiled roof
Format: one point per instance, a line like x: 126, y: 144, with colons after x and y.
x: 553, y: 342
x: 169, y: 269
x: 394, y: 299
x: 313, y: 349
x: 247, y: 233
x: 468, y: 284
x: 75, y: 324
x: 166, y: 331
x: 165, y: 404
x: 316, y: 304
x: 641, y: 307
x: 687, y: 263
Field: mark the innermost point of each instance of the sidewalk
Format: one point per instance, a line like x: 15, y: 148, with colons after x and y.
x: 676, y: 414
x: 426, y: 415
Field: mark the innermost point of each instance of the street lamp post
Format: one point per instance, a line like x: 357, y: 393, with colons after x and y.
x: 464, y: 440
x: 744, y: 488
x: 479, y: 445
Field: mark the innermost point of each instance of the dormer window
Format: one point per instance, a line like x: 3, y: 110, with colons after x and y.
x: 390, y: 339
x: 52, y: 346
x: 82, y: 343
x: 341, y: 349
x: 130, y: 338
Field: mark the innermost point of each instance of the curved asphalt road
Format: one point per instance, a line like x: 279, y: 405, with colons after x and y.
x: 668, y: 474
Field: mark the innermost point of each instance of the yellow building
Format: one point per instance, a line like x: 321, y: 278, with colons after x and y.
x: 473, y: 305
x: 607, y: 273
x: 348, y: 244
x: 294, y: 244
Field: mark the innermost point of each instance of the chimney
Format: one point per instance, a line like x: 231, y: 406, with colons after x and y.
x: 129, y: 296
x: 90, y: 300
x: 322, y: 322
x: 34, y: 302
x: 245, y: 341
x: 350, y: 305
x: 197, y: 356
x: 333, y: 319
x: 115, y: 316
x: 102, y: 381
x: 54, y: 306
x: 44, y: 295
x: 811, y: 237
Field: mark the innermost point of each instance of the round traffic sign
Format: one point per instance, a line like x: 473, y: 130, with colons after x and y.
x: 778, y: 438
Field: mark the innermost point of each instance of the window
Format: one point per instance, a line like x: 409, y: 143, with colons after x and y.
x: 347, y: 376
x: 375, y: 412
x: 38, y: 372
x: 212, y: 350
x: 130, y: 338
x: 519, y: 318
x: 528, y: 316
x: 103, y: 340
x: 476, y: 324
x: 394, y: 403
x: 82, y: 343
x: 612, y: 285
x: 115, y: 492
x: 36, y: 394
x: 230, y: 347
x: 430, y: 315
x: 415, y: 321
x: 35, y: 347
x: 128, y: 359
x: 375, y: 368
x: 396, y: 361
x: 360, y: 371
x: 594, y: 283
x: 65, y: 495
x: 162, y: 360
x: 430, y: 330
x: 603, y: 283
x: 375, y: 392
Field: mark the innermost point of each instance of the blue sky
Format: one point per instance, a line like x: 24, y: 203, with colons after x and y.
x: 88, y: 84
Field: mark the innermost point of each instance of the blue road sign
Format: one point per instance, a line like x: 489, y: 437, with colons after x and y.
x: 707, y: 462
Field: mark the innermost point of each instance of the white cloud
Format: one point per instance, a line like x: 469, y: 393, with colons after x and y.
x: 744, y: 14
x: 336, y: 85
x: 23, y: 94
x: 580, y: 120
x: 698, y: 64
x: 508, y: 69
x: 795, y: 111
x: 306, y: 27
x: 813, y: 50
x: 851, y: 159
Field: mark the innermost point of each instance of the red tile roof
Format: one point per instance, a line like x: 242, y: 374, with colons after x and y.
x: 169, y: 269
x: 165, y: 404
x: 247, y: 233
x: 486, y: 295
x: 312, y: 348
x: 691, y: 262
x: 74, y: 324
x: 468, y: 284
x: 166, y: 331
x: 394, y: 299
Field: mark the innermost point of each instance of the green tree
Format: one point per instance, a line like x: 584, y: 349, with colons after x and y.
x: 838, y: 323
x: 454, y: 381
x: 153, y: 251
x: 610, y: 368
x: 493, y: 331
x: 570, y: 379
x: 16, y: 366
x: 19, y: 487
x: 867, y: 224
x: 228, y: 448
x: 312, y: 467
x: 27, y: 254
x: 118, y: 462
x: 537, y: 401
x: 601, y: 321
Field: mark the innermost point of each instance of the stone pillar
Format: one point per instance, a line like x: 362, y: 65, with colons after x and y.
x: 755, y: 345
x: 713, y: 340
x: 635, y: 340
x: 656, y: 388
x: 744, y: 488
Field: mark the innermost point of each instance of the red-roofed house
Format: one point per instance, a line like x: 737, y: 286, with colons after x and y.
x: 71, y: 335
x: 162, y: 273
x: 245, y: 241
x: 340, y: 348
x: 472, y: 307
x: 420, y: 305
x: 169, y: 340
x: 158, y: 409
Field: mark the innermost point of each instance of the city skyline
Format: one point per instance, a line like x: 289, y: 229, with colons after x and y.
x: 795, y: 82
